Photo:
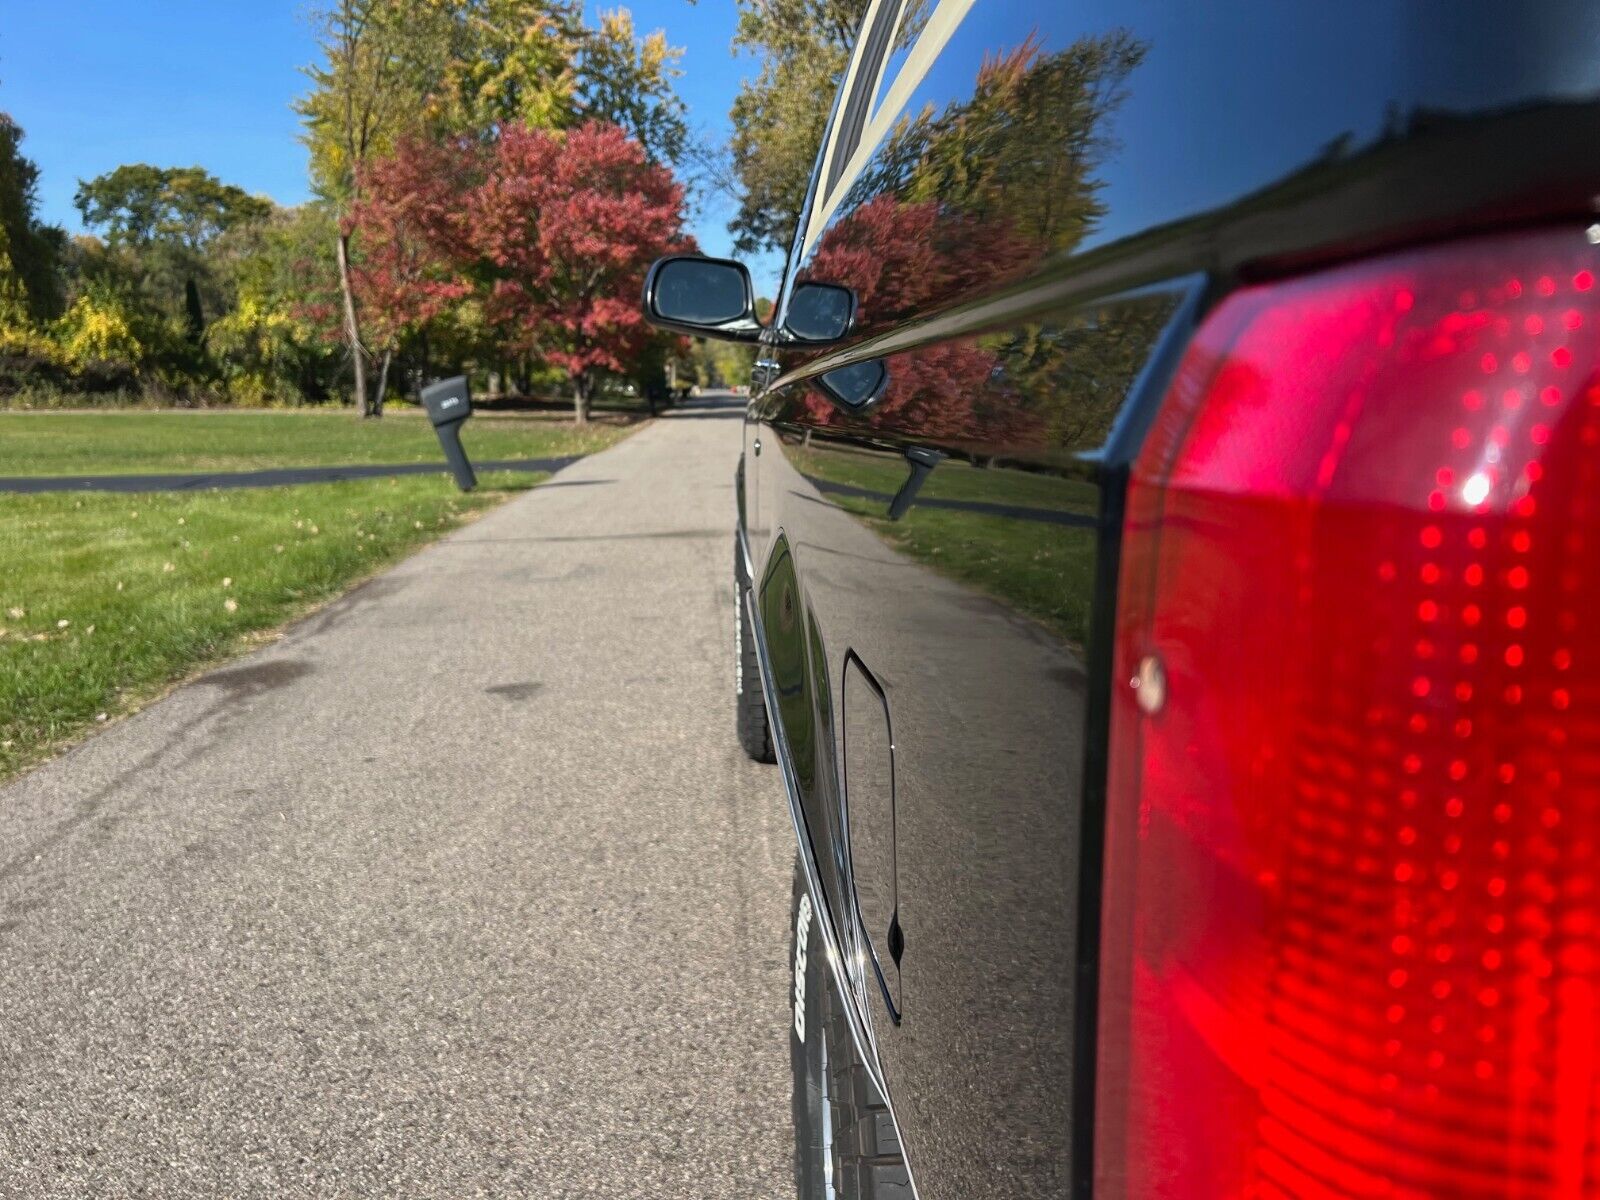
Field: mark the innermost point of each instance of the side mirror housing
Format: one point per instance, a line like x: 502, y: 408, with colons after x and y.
x: 819, y: 313
x: 702, y: 297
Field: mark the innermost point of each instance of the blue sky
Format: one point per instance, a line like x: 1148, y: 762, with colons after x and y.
x: 98, y: 83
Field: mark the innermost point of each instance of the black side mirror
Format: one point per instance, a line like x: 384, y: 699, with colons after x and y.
x: 856, y: 387
x: 819, y: 312
x: 703, y: 297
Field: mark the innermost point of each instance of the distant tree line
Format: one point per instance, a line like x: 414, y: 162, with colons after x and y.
x: 459, y: 153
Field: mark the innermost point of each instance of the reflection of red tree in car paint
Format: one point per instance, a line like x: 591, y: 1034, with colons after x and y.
x: 909, y: 259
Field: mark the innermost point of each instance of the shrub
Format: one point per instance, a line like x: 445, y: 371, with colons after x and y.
x: 260, y: 352
x: 98, y: 328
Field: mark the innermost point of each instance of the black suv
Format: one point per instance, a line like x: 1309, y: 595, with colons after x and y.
x: 1169, y: 503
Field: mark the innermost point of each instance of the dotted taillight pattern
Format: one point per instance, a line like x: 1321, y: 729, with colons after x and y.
x: 1352, y: 915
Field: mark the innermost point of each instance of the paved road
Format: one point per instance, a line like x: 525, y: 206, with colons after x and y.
x: 461, y: 889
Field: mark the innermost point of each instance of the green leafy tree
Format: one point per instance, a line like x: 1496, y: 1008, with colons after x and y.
x: 533, y: 63
x: 502, y: 62
x: 159, y: 226
x: 626, y: 80
x: 139, y: 205
x: 279, y: 340
x: 30, y: 251
x: 779, y: 117
x: 371, y: 87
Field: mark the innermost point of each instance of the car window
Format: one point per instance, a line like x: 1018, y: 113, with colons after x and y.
x: 877, y: 32
x: 919, y: 48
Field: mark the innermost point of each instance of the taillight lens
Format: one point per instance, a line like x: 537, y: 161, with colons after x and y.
x: 1351, y: 939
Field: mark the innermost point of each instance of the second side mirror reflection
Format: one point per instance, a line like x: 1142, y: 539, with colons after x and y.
x: 819, y: 312
x: 856, y: 387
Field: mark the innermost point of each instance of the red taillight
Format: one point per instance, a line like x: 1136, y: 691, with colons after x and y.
x: 1351, y: 940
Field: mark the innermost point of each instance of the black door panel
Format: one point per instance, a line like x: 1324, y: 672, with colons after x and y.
x: 798, y: 677
x: 987, y: 705
x: 971, y: 606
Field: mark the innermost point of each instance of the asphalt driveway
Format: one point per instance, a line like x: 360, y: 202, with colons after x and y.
x: 462, y: 888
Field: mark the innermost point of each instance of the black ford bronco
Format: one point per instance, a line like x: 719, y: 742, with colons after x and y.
x: 1169, y: 501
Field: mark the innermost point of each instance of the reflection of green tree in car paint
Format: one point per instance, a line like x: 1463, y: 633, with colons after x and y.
x: 1071, y: 375
x: 963, y: 201
x: 1023, y: 149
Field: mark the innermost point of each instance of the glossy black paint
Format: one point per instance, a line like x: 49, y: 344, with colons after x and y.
x: 1019, y: 326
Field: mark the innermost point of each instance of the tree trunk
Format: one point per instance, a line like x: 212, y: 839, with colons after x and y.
x: 580, y: 401
x: 352, y: 331
x: 383, y: 384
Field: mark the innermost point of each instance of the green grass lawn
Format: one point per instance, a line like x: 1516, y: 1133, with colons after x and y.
x: 133, y: 442
x: 106, y: 600
x: 1041, y: 569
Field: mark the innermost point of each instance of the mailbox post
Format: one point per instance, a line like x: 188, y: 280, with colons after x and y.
x: 922, y: 461
x: 449, y: 404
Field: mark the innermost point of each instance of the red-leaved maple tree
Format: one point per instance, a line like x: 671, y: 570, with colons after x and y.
x: 413, y: 244
x: 567, y: 225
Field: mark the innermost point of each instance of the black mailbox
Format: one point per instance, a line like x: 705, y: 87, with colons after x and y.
x: 449, y: 404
